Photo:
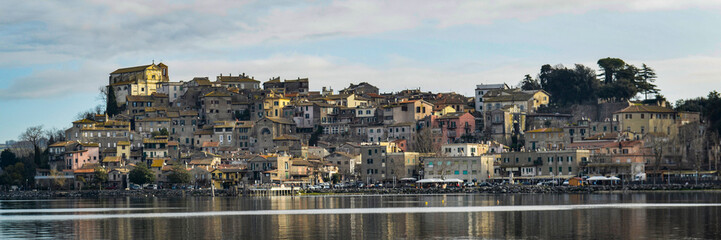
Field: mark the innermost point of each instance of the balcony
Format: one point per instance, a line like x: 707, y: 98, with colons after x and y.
x: 451, y: 134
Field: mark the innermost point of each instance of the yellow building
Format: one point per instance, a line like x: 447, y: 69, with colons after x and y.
x: 545, y: 139
x: 273, y: 106
x: 640, y: 120
x: 527, y: 101
x: 446, y: 110
x: 224, y: 178
x: 137, y: 81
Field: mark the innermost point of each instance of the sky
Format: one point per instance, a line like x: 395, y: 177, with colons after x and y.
x: 55, y: 55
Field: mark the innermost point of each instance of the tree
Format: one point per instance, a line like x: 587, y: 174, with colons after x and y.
x: 35, y: 136
x: 528, y: 83
x: 58, y: 178
x: 646, y: 78
x: 111, y: 106
x: 162, y: 132
x: 610, y: 66
x: 423, y: 141
x: 657, y: 145
x: 55, y: 135
x: 179, y: 175
x: 101, y: 177
x: 569, y: 85
x: 14, y: 174
x: 242, y: 115
x: 314, y: 137
x: 141, y: 175
x: 8, y: 158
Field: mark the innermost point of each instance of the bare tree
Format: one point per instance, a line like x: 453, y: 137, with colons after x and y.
x: 657, y: 146
x: 56, y: 135
x: 35, y: 135
x: 423, y: 141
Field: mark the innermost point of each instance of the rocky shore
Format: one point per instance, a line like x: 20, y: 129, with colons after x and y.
x: 500, y: 189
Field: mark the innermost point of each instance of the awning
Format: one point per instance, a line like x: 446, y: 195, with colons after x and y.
x: 453, y: 180
x: 430, y: 180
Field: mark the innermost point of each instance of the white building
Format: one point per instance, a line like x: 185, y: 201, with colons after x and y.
x: 464, y: 149
x: 174, y: 90
x: 482, y: 89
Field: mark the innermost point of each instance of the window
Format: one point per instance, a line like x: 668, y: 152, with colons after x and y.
x: 570, y: 169
x: 455, y: 172
x: 465, y: 172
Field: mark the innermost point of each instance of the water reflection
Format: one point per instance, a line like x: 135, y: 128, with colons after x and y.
x: 429, y: 217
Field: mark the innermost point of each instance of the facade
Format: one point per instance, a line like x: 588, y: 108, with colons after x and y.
x: 240, y: 82
x: 374, y: 167
x: 545, y: 139
x: 482, y: 89
x: 542, y: 164
x: 640, y: 120
x: 625, y: 158
x: 137, y: 81
x: 81, y: 154
x: 526, y: 101
x: 454, y: 125
x: 464, y: 149
x: 468, y: 169
x: 216, y: 106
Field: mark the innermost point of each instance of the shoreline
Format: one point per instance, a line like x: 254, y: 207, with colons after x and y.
x: 500, y: 190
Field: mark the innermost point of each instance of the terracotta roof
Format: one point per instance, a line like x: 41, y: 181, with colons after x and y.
x: 201, y: 162
x: 453, y: 115
x: 84, y: 170
x: 236, y: 79
x: 286, y: 137
x: 155, y: 119
x: 545, y: 130
x: 211, y: 144
x: 203, y: 132
x: 61, y: 144
x: 622, y: 144
x: 374, y: 95
x: 139, y: 98
x: 646, y: 109
x: 131, y: 69
x: 157, y: 163
x: 217, y: 94
x: 111, y: 159
x: 123, y: 143
x: 280, y: 120
x: 189, y: 113
x: 148, y: 140
x: 202, y: 81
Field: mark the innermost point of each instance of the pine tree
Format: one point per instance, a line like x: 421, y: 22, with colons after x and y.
x: 646, y: 78
x: 111, y: 106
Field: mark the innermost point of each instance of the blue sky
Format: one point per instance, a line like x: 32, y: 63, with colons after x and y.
x: 53, y: 59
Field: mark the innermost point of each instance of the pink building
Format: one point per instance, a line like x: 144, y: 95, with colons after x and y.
x: 454, y: 125
x: 81, y: 154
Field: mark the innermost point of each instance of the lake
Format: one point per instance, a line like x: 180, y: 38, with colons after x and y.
x: 656, y: 215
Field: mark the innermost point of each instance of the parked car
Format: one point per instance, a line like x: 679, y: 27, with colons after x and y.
x: 484, y: 184
x: 135, y: 187
x: 151, y: 186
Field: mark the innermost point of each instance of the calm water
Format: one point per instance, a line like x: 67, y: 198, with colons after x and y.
x: 521, y: 216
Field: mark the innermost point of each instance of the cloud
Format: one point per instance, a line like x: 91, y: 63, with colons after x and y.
x: 100, y: 36
x: 56, y: 82
x: 687, y: 77
x: 329, y: 71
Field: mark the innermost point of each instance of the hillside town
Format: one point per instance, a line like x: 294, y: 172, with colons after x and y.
x: 233, y: 130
